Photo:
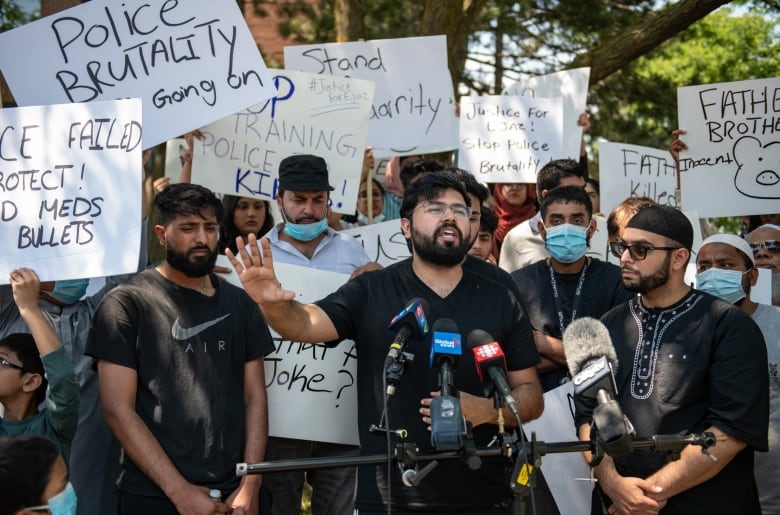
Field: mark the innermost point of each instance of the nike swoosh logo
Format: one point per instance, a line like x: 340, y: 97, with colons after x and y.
x: 185, y: 333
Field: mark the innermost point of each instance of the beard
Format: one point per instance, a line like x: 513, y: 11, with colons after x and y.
x: 189, y: 266
x: 447, y: 255
x: 647, y: 283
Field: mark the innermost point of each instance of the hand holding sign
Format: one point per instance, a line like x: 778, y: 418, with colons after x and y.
x: 256, y: 273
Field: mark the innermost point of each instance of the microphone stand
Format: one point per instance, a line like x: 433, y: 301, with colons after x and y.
x: 408, y: 453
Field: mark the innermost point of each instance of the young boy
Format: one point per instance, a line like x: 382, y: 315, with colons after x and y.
x: 26, y: 362
x: 484, y: 243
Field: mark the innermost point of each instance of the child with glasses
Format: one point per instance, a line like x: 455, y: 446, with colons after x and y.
x: 35, y: 368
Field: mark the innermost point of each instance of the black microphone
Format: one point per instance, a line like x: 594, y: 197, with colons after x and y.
x: 591, y: 358
x: 412, y: 322
x: 491, y: 366
x: 448, y: 427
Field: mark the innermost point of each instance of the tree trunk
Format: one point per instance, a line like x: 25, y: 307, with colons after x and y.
x: 348, y: 20
x: 617, y: 52
x: 455, y: 19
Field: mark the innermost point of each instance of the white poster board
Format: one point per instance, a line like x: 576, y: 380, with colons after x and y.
x: 732, y: 166
x: 173, y: 160
x: 572, y: 86
x: 383, y: 242
x: 598, y: 242
x: 509, y: 138
x: 306, y: 377
x: 566, y: 472
x: 635, y: 171
x: 414, y: 105
x: 310, y: 114
x: 191, y: 62
x: 70, y: 189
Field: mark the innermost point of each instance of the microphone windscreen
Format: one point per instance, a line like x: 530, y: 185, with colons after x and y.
x: 445, y: 325
x: 585, y: 340
x: 477, y: 338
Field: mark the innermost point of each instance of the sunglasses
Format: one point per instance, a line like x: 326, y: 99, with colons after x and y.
x: 5, y: 363
x: 772, y: 246
x: 637, y: 251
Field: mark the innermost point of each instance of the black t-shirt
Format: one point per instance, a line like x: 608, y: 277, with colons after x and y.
x: 602, y: 289
x: 361, y: 310
x: 698, y: 363
x: 189, y: 352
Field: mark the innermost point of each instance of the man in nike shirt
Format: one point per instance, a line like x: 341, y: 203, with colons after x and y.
x: 180, y: 366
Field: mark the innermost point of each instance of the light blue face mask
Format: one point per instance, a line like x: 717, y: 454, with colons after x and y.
x: 64, y: 503
x: 567, y: 242
x: 363, y: 219
x: 305, y: 232
x: 724, y: 284
x: 69, y: 292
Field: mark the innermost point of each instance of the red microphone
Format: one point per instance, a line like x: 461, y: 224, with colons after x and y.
x: 491, y: 366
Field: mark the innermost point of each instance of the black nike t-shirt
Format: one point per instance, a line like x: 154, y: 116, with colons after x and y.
x: 189, y: 352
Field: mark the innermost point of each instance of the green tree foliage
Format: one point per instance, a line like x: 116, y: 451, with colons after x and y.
x: 11, y: 15
x: 638, y: 104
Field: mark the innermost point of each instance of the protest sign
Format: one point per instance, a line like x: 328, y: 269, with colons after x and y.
x: 508, y: 138
x: 70, y: 189
x: 311, y: 114
x: 598, y: 247
x: 173, y: 160
x: 732, y: 166
x: 383, y: 242
x: 191, y: 62
x: 572, y: 87
x: 563, y: 472
x: 635, y: 171
x: 315, y: 379
x: 414, y: 105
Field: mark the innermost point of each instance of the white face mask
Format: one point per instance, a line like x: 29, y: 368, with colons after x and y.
x: 363, y: 219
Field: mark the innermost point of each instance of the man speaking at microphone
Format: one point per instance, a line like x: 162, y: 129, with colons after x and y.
x: 435, y: 220
x: 689, y: 363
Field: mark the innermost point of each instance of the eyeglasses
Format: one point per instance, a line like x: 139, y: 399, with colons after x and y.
x: 772, y: 246
x: 8, y: 364
x: 637, y: 251
x: 440, y: 208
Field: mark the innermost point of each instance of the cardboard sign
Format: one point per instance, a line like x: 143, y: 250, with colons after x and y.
x: 307, y: 377
x: 414, y: 105
x: 572, y: 87
x: 732, y: 166
x: 509, y: 138
x: 191, y: 62
x: 310, y: 114
x: 565, y: 473
x: 70, y: 189
x: 635, y: 171
x: 383, y: 242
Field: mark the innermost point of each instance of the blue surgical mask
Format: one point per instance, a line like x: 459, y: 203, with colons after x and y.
x: 69, y: 292
x: 363, y: 219
x: 64, y: 503
x: 724, y: 284
x: 567, y: 242
x: 305, y: 232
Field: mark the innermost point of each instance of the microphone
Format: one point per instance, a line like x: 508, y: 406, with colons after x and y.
x: 491, y: 366
x: 448, y: 426
x: 412, y: 322
x: 591, y: 358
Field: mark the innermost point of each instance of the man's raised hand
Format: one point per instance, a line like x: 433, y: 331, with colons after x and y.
x: 257, y: 273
